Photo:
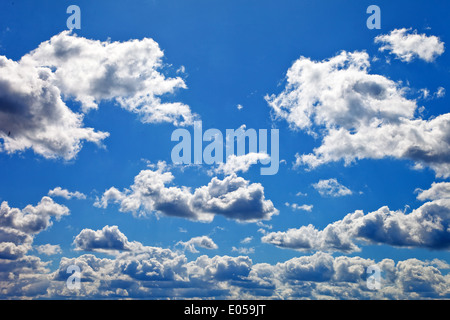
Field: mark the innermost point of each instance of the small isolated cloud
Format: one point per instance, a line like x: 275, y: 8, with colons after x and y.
x: 48, y: 249
x: 59, y: 192
x: 407, y: 45
x: 440, y: 92
x: 233, y: 197
x: 295, y: 206
x: 109, y: 239
x: 331, y: 188
x: 243, y: 250
x: 204, y: 242
x: 239, y: 106
x: 246, y: 240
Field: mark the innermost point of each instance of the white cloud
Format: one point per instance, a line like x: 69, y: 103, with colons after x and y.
x: 162, y: 273
x: 359, y: 115
x: 234, y: 163
x: 232, y: 197
x: 33, y: 113
x: 439, y: 190
x: 246, y: 240
x: 59, y: 192
x: 109, y: 239
x: 304, y: 207
x: 32, y: 219
x: 204, y: 242
x: 127, y: 72
x: 243, y: 250
x: 331, y: 188
x: 21, y: 274
x: 440, y: 92
x: 239, y: 106
x: 48, y: 249
x: 407, y: 45
x: 424, y: 227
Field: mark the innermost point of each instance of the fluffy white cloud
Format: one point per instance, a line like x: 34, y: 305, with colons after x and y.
x: 127, y: 72
x: 438, y: 190
x: 204, y: 242
x: 331, y: 188
x: 359, y: 115
x: 425, y: 227
x: 33, y: 113
x: 109, y: 239
x: 407, y: 45
x: 232, y: 197
x: 234, y: 163
x: 59, y: 192
x: 31, y: 219
x: 48, y: 249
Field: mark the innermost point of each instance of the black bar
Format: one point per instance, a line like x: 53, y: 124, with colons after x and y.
x: 228, y: 309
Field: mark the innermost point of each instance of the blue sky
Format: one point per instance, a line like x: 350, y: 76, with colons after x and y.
x: 230, y: 53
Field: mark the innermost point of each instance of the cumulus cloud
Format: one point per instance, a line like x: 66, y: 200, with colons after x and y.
x: 22, y: 274
x: 18, y: 227
x: 331, y: 188
x: 48, y: 249
x: 108, y: 239
x: 358, y: 115
x: 438, y: 190
x: 127, y: 72
x: 204, y: 242
x: 59, y: 192
x: 234, y: 163
x: 33, y: 113
x: 232, y: 197
x: 162, y: 273
x: 407, y: 45
x: 425, y: 227
x: 32, y: 219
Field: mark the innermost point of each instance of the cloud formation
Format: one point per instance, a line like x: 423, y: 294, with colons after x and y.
x: 358, y: 115
x: 204, y: 242
x: 407, y: 45
x: 24, y: 275
x: 33, y: 112
x: 59, y: 192
x: 109, y: 239
x: 331, y: 188
x: 233, y: 197
x: 146, y: 271
x: 425, y: 227
x: 234, y: 163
